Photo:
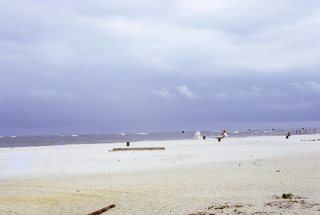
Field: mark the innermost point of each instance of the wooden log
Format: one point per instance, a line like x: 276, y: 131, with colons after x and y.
x: 138, y: 148
x: 102, y: 210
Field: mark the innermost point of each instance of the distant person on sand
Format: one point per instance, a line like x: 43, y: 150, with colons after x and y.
x: 224, y: 133
x: 288, y: 134
x: 197, y: 135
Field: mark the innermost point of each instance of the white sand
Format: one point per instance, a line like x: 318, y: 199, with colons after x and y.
x: 187, y: 177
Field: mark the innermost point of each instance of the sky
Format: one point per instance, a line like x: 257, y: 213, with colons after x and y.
x: 161, y: 65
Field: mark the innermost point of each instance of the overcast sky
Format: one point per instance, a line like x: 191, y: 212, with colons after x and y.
x: 152, y: 65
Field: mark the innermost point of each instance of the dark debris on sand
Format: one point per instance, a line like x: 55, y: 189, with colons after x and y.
x: 289, y: 201
x: 227, y: 208
x: 286, y: 203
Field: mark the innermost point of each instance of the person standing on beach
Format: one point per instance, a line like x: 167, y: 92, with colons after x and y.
x: 224, y: 133
x: 288, y: 134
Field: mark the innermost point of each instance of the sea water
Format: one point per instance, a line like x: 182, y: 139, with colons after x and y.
x: 63, y: 139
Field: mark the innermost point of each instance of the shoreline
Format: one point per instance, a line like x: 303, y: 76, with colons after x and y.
x: 55, y: 140
x: 66, y: 159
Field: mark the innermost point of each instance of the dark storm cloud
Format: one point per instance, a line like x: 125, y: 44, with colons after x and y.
x: 130, y: 65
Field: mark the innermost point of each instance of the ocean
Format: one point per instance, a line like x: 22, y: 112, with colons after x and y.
x: 63, y: 139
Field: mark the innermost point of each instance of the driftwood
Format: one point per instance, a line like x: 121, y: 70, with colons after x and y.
x: 102, y: 210
x: 138, y: 148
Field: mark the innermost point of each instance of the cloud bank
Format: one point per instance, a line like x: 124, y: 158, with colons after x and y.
x: 124, y: 65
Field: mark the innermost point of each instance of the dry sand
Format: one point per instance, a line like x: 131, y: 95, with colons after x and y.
x: 190, y: 177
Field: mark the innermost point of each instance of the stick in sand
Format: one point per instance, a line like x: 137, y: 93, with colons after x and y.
x: 102, y: 210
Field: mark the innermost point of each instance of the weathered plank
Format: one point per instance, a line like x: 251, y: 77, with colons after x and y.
x: 138, y: 148
x: 102, y: 210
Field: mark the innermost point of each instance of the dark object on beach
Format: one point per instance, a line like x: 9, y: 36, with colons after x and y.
x: 138, y: 149
x: 204, y: 137
x: 128, y: 143
x: 183, y: 132
x: 287, y: 196
x: 223, y: 134
x: 288, y: 135
x: 221, y: 207
x: 98, y: 212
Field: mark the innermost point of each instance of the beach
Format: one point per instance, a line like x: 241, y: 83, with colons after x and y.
x: 243, y: 175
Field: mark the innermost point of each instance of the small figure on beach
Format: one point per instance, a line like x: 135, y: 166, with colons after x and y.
x: 197, y: 135
x: 288, y: 135
x: 223, y: 135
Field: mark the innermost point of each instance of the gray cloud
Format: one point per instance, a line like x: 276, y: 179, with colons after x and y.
x: 163, y: 92
x: 252, y: 91
x: 299, y: 105
x: 184, y: 90
x: 220, y: 95
x: 314, y: 86
x: 64, y: 33
x: 141, y: 64
x: 310, y: 86
x: 50, y: 94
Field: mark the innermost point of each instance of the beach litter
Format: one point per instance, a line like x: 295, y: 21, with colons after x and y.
x: 287, y: 203
x: 290, y: 201
x: 102, y: 210
x: 287, y: 196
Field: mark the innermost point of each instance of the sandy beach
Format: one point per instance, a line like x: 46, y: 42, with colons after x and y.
x: 244, y: 175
